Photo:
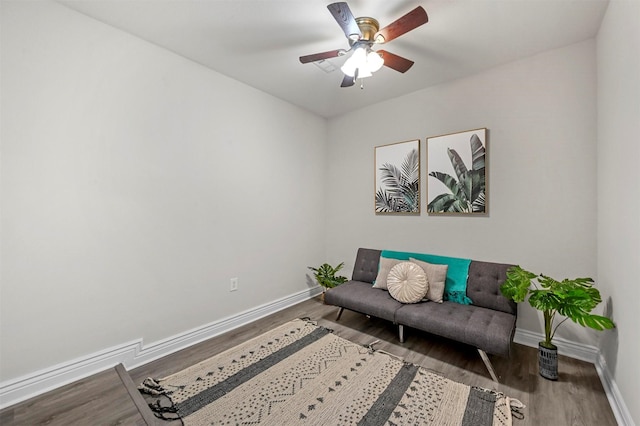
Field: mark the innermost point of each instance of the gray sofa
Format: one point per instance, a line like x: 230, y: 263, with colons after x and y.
x: 488, y: 324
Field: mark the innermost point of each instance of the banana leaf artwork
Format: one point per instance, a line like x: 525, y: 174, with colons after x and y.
x: 397, y: 178
x: 456, y: 181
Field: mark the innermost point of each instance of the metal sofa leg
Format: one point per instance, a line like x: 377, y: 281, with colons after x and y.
x: 401, y: 332
x: 339, y: 314
x: 488, y: 364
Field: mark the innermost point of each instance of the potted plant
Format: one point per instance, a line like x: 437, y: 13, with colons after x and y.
x: 325, y: 274
x: 574, y: 299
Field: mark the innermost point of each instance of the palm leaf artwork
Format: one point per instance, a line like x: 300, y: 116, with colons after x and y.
x: 467, y: 189
x: 399, y: 191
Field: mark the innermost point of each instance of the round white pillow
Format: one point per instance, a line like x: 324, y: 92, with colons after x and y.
x: 407, y: 282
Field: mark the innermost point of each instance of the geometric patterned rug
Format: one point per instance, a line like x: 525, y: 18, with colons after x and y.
x: 300, y: 373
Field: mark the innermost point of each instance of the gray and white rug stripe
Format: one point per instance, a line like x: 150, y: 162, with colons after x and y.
x: 300, y: 373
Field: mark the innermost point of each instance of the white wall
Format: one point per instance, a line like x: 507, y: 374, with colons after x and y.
x: 135, y: 184
x: 618, y: 46
x: 541, y: 116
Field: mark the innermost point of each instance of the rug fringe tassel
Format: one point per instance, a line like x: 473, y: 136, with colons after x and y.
x: 161, y: 411
x: 309, y: 320
x: 516, y: 407
x: 370, y: 346
x: 372, y: 350
x: 393, y: 356
x: 151, y: 387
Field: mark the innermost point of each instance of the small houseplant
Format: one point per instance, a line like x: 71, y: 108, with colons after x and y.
x: 574, y: 299
x: 325, y: 274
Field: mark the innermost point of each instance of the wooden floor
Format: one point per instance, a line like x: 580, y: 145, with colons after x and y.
x: 577, y: 398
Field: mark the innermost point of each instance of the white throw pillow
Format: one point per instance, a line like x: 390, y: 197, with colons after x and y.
x: 384, y: 267
x: 436, y: 276
x: 407, y: 282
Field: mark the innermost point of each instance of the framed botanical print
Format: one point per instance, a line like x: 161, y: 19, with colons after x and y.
x: 456, y: 173
x: 397, y: 178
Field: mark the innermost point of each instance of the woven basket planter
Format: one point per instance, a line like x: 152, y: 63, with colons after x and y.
x: 548, y: 362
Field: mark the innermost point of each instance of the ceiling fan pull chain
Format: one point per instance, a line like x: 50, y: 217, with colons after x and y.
x: 355, y: 78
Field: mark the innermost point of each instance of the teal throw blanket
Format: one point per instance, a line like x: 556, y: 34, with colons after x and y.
x: 455, y: 287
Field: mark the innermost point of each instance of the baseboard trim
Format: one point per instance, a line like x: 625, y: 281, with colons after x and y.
x: 590, y: 354
x: 620, y: 409
x: 134, y: 354
x: 568, y: 348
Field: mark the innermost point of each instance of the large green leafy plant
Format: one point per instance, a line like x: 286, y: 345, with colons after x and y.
x: 468, y: 192
x: 401, y: 192
x: 326, y: 275
x: 573, y: 299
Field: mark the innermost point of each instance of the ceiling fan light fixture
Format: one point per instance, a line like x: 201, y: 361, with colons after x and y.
x: 374, y: 60
x: 363, y: 59
x: 363, y: 73
x: 355, y: 61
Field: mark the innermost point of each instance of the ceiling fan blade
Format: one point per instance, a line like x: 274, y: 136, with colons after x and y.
x: 395, y: 62
x: 348, y: 81
x: 345, y: 19
x: 324, y: 55
x: 403, y: 25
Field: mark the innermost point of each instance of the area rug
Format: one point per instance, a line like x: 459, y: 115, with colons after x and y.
x: 300, y: 373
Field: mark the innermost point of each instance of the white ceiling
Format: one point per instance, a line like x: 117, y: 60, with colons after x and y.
x: 258, y: 42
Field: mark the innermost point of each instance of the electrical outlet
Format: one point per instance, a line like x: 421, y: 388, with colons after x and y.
x: 234, y: 284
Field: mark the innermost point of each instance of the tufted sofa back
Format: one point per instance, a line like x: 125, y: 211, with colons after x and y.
x: 483, y: 286
x: 366, y: 266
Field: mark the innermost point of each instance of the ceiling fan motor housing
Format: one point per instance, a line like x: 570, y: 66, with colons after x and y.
x: 368, y: 27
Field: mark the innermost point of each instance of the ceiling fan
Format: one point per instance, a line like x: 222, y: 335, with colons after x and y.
x: 362, y: 34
